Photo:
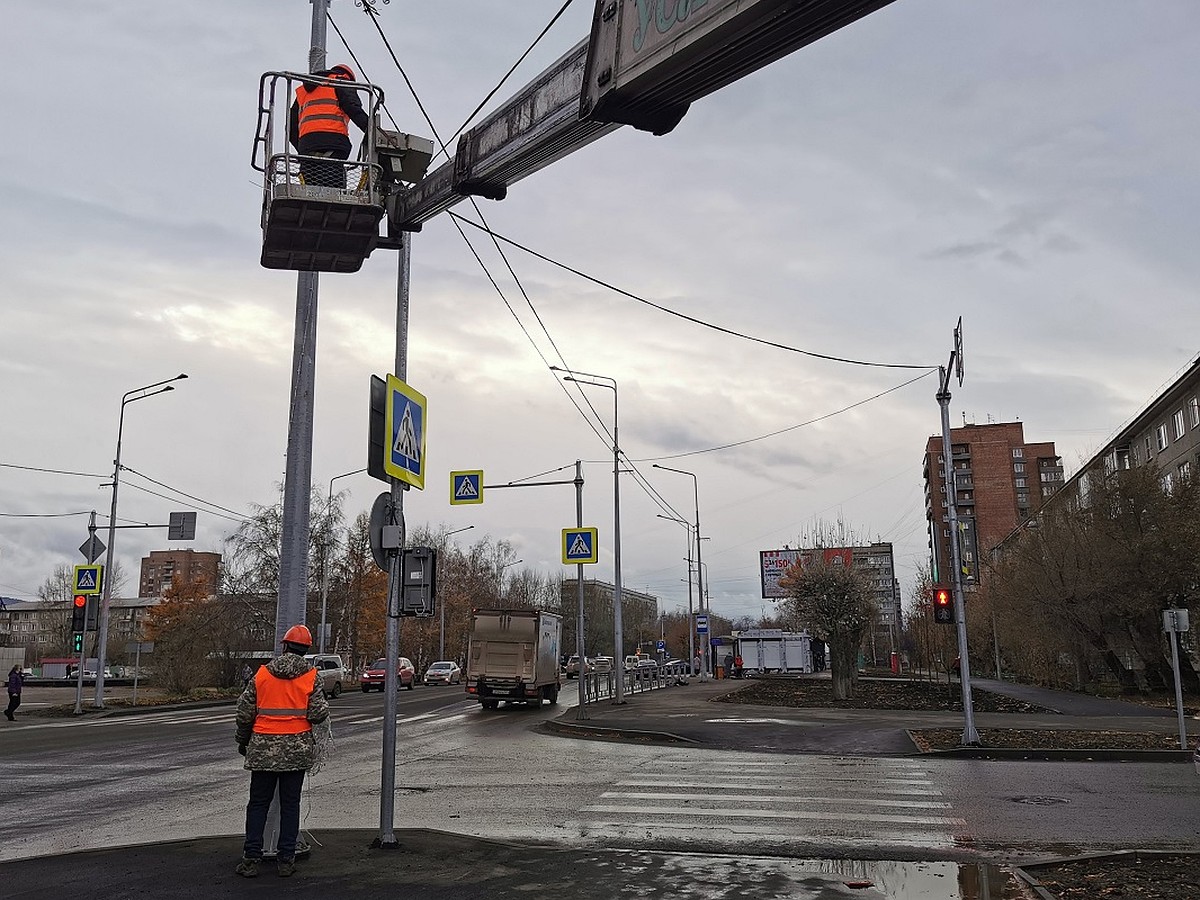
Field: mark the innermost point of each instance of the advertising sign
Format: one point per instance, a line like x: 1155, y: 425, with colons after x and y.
x: 773, y: 565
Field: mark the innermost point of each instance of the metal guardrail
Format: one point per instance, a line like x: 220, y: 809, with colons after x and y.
x: 602, y: 685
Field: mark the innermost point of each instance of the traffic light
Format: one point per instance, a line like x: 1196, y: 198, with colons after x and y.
x: 943, y: 605
x: 79, y: 610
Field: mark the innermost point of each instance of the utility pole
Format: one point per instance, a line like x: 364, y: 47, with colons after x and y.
x: 291, y: 607
x: 387, y: 783
x: 969, y: 735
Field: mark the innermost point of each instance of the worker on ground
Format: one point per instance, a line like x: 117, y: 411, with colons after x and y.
x: 275, y: 717
x: 318, y: 126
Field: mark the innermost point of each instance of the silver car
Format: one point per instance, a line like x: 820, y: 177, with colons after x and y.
x: 331, y: 669
x: 443, y: 672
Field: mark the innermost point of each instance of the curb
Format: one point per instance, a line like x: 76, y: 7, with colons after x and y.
x: 1063, y: 754
x: 109, y: 712
x: 601, y: 732
x: 1027, y: 872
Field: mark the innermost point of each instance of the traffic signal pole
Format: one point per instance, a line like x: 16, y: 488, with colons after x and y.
x: 969, y: 735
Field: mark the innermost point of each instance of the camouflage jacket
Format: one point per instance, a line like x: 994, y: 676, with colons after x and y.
x: 279, y: 752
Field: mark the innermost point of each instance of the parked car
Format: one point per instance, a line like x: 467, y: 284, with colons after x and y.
x: 333, y: 672
x: 631, y: 663
x: 604, y: 664
x: 647, y: 664
x: 373, y: 676
x: 573, y: 666
x: 443, y: 672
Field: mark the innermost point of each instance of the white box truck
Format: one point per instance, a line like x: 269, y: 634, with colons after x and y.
x: 513, y: 656
x: 765, y: 650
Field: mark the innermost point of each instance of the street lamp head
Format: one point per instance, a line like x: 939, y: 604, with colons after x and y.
x: 181, y: 376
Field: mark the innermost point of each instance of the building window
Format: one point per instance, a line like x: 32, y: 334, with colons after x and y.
x: 1020, y: 482
x: 1194, y: 409
x: 1022, y: 498
x: 1149, y: 449
x: 1019, y: 467
x: 1168, y: 483
x: 1018, y: 452
x: 1177, y: 421
x: 1185, y: 471
x: 1160, y: 434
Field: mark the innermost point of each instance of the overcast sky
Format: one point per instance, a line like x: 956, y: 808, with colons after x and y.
x: 1028, y: 166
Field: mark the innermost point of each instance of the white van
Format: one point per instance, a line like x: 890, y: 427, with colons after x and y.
x: 332, y: 670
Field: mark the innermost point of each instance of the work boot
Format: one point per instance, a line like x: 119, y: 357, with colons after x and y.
x: 286, y: 867
x: 247, y: 868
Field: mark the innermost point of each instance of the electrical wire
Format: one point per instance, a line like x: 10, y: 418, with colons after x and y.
x: 657, y: 498
x: 763, y: 437
x: 51, y: 471
x: 508, y: 74
x: 232, y: 512
x: 666, y: 309
x: 82, y: 512
x: 145, y: 490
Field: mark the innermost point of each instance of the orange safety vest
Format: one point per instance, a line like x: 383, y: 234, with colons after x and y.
x: 320, y: 111
x: 282, y: 703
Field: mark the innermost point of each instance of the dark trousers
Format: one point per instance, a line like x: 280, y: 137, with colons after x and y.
x: 328, y: 146
x: 14, y: 700
x: 262, y: 789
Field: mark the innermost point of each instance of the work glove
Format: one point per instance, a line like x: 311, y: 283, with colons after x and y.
x: 241, y: 749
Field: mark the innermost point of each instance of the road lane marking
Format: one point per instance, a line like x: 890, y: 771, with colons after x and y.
x: 778, y: 798
x: 726, y: 815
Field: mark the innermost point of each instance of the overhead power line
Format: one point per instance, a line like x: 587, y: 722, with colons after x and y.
x: 672, y: 312
x: 50, y: 471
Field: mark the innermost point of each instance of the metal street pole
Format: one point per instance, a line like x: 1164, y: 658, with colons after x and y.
x: 618, y: 674
x: 705, y: 668
x: 325, y: 557
x: 442, y: 606
x: 292, y: 605
x: 691, y: 631
x: 969, y: 734
x: 150, y: 390
x: 618, y: 626
x: 515, y: 562
x: 387, y: 785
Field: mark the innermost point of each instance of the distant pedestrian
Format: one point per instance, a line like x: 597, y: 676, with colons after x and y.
x: 15, y: 680
x: 275, y: 718
x: 737, y: 666
x: 728, y: 665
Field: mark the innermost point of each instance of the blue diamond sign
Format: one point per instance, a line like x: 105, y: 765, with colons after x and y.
x: 404, y: 455
x: 579, y: 545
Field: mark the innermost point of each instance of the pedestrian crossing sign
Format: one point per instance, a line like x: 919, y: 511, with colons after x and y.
x: 466, y: 487
x: 579, y: 545
x: 404, y: 453
x: 89, y: 579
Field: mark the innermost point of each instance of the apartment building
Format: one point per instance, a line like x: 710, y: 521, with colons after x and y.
x: 43, y: 628
x: 164, y: 568
x: 1000, y: 481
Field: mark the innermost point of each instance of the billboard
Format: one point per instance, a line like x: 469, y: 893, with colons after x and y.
x: 773, y: 565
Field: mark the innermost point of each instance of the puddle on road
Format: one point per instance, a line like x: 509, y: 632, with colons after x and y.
x: 710, y: 878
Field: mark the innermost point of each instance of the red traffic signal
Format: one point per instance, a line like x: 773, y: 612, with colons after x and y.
x: 79, y: 613
x: 943, y: 605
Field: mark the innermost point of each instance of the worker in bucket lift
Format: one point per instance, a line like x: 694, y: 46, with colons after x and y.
x: 318, y: 126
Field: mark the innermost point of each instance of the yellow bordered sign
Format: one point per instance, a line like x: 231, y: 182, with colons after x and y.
x: 466, y: 486
x: 89, y: 579
x: 579, y: 545
x: 404, y: 454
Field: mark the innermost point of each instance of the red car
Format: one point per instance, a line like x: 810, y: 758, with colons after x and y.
x: 375, y: 672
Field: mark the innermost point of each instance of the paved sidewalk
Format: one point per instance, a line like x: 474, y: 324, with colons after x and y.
x: 690, y: 714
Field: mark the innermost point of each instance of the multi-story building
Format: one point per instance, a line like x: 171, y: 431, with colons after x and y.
x: 164, y: 568
x: 43, y: 627
x: 1166, y: 433
x: 639, y: 616
x: 877, y: 562
x: 1000, y: 480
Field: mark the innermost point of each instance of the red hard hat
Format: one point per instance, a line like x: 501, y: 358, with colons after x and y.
x: 342, y: 68
x: 298, y: 634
